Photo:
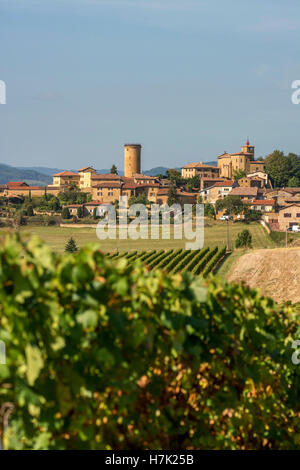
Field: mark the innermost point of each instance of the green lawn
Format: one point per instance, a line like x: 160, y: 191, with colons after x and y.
x: 214, y: 234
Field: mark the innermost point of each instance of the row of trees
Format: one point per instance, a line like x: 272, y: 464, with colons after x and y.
x: 231, y: 205
x: 284, y: 170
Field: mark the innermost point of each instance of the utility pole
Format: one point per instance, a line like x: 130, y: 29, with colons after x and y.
x: 228, y: 238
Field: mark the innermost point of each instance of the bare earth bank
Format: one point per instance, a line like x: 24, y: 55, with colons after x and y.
x: 275, y: 272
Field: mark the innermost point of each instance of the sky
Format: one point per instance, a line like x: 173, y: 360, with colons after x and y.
x: 187, y: 79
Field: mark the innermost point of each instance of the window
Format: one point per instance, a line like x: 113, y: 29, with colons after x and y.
x: 286, y: 214
x: 298, y: 215
x: 99, y: 193
x: 110, y: 193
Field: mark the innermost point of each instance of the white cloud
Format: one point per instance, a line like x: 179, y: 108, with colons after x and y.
x: 168, y: 5
x: 274, y: 25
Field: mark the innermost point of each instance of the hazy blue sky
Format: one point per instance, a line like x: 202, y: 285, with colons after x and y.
x: 187, y: 79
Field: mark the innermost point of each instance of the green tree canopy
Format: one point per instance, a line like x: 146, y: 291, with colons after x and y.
x: 282, y: 168
x: 114, y: 170
x: 29, y: 210
x: 231, y: 204
x: 293, y: 182
x: 175, y: 176
x: 172, y: 196
x: 209, y: 210
x: 140, y: 199
x: 237, y: 175
x: 73, y: 196
x: 244, y: 239
x: 71, y: 246
x: 65, y: 213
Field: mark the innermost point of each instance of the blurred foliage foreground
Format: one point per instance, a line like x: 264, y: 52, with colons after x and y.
x: 102, y: 355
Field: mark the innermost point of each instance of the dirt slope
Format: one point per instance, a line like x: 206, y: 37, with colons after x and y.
x: 275, y: 272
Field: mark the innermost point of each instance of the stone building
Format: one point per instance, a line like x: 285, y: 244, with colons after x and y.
x: 18, y: 188
x: 66, y: 178
x: 248, y: 194
x: 288, y: 216
x: 243, y: 161
x: 200, y: 169
x: 219, y: 190
x: 132, y: 159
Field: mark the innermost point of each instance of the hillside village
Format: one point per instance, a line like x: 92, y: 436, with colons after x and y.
x: 237, y: 174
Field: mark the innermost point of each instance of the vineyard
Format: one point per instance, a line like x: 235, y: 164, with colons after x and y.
x: 196, y: 262
x: 110, y: 355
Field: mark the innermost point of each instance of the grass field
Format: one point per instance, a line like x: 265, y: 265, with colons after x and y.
x: 214, y: 234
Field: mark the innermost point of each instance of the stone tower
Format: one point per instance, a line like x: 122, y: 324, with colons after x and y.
x: 132, y: 159
x: 250, y: 149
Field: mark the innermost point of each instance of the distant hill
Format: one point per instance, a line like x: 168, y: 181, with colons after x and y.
x: 10, y: 173
x: 162, y: 169
x: 41, y: 175
x: 42, y: 169
x: 156, y: 171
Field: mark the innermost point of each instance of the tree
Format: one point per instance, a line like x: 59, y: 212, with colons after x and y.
x: 54, y: 204
x: 189, y: 187
x: 71, y: 246
x: 244, y: 239
x: 114, y: 170
x: 237, y: 175
x: 19, y: 220
x: 175, y: 176
x: 231, y: 204
x: 293, y: 182
x: 73, y: 196
x: 29, y: 196
x: 294, y: 164
x: 278, y: 168
x: 140, y: 199
x: 252, y: 215
x: 191, y: 183
x: 29, y: 210
x: 209, y: 210
x: 65, y: 213
x: 79, y: 212
x: 172, y: 196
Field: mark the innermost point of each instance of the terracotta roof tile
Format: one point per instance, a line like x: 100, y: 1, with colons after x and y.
x: 244, y: 191
x: 16, y: 184
x: 108, y: 184
x: 86, y: 168
x: 262, y: 202
x: 106, y: 176
x: 199, y: 165
x: 66, y: 173
x: 224, y: 183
